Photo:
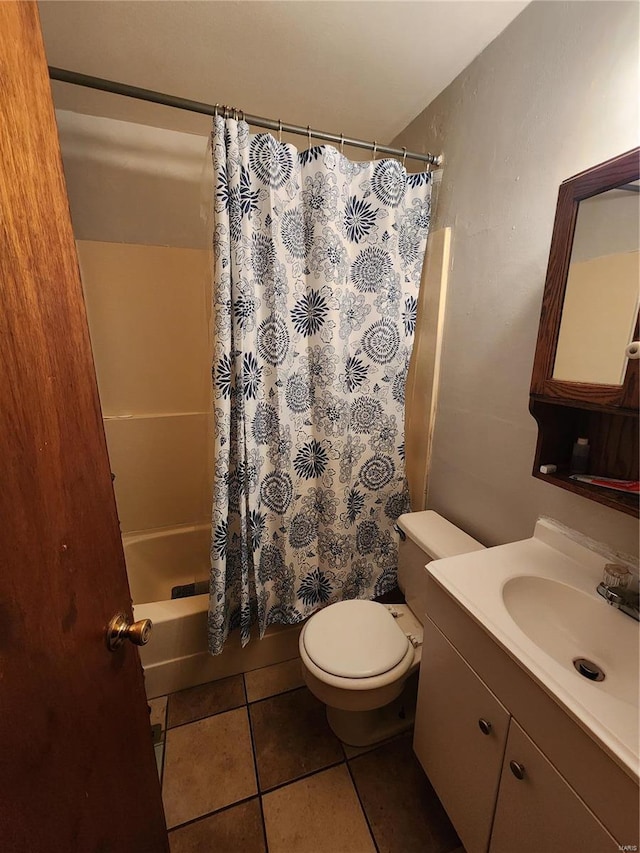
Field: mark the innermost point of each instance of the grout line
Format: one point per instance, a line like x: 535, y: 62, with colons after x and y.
x: 304, y: 776
x: 164, y: 743
x: 282, y: 692
x: 214, y: 812
x: 206, y: 717
x: 255, y: 770
x: 273, y: 695
x: 200, y: 684
x: 364, y: 812
x: 344, y: 751
x: 375, y: 746
x: 257, y: 796
x: 244, y: 689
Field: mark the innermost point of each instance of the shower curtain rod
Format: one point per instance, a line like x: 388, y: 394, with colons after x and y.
x: 128, y: 91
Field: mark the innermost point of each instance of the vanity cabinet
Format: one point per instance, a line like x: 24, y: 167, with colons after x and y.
x: 466, y: 741
x: 461, y: 738
x: 537, y: 810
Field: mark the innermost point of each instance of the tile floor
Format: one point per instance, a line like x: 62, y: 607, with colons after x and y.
x: 249, y: 764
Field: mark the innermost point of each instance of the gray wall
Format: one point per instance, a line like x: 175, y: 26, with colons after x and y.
x: 555, y: 93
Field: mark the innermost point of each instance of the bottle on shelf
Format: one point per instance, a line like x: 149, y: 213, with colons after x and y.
x: 580, y: 457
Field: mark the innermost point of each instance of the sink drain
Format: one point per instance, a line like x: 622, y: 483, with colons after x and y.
x: 589, y: 669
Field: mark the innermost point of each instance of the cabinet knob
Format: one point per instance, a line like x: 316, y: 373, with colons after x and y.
x: 485, y: 726
x: 517, y: 769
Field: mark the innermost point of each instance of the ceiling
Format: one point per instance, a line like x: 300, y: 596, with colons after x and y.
x: 365, y: 69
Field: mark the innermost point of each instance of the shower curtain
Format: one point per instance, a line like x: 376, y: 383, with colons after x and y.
x: 317, y: 268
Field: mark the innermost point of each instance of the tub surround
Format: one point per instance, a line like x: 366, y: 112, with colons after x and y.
x: 148, y: 309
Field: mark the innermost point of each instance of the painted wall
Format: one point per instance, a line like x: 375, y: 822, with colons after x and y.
x: 555, y: 93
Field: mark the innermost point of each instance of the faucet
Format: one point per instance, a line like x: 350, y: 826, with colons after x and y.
x: 614, y: 588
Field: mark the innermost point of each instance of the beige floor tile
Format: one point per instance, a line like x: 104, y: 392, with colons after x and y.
x: 194, y: 703
x: 291, y: 737
x: 208, y: 764
x: 319, y: 814
x: 355, y: 751
x: 158, y: 711
x: 403, y: 810
x: 270, y: 680
x: 235, y: 830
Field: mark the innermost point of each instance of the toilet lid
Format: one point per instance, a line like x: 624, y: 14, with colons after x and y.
x: 355, y: 639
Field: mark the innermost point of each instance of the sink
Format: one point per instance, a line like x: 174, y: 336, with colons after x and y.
x: 537, y: 599
x: 567, y: 623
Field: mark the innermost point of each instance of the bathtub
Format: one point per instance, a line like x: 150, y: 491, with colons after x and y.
x: 176, y: 656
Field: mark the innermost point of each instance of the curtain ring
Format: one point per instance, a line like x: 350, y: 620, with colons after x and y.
x: 342, y: 143
x: 215, y: 110
x: 235, y: 114
x: 226, y: 111
x: 375, y: 149
x: 280, y: 131
x: 309, y: 135
x: 404, y: 157
x: 241, y: 115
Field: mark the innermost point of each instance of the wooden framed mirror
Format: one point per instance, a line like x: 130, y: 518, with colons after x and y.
x: 597, y: 220
x: 586, y: 371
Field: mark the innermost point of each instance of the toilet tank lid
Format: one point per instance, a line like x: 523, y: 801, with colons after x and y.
x: 436, y: 536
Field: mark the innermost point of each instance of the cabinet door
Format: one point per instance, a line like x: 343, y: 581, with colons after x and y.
x: 541, y: 813
x: 462, y: 762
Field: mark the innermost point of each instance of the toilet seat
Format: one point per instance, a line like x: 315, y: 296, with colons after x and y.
x: 355, y: 639
x: 352, y: 685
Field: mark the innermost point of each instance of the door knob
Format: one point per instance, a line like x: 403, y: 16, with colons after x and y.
x: 120, y: 629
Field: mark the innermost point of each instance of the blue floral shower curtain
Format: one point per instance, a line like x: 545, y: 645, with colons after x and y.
x: 317, y: 268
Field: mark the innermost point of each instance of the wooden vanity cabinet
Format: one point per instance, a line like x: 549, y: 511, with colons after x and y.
x: 461, y: 738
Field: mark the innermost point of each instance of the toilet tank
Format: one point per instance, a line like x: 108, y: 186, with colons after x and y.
x: 427, y: 536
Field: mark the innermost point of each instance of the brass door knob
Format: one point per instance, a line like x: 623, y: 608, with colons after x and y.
x: 120, y: 629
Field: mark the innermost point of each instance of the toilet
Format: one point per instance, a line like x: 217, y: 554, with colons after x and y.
x: 361, y: 658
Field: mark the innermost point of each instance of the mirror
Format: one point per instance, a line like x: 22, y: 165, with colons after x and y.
x: 601, y: 298
x: 585, y: 381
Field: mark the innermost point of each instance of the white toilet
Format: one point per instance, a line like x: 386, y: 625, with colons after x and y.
x: 358, y: 657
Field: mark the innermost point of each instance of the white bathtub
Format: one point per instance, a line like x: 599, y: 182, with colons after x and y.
x: 176, y: 655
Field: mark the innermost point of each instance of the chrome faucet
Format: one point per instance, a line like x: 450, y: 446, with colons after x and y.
x: 614, y: 588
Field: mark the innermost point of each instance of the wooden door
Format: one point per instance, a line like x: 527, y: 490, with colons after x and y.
x: 77, y: 769
x: 460, y: 736
x: 540, y: 812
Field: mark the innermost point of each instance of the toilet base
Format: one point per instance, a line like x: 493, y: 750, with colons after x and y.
x: 365, y: 728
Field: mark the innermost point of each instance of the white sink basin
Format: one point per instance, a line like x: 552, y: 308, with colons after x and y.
x: 567, y: 623
x: 538, y: 600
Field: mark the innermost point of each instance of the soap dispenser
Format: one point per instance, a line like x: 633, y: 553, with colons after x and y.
x: 580, y: 457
